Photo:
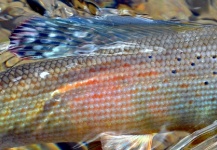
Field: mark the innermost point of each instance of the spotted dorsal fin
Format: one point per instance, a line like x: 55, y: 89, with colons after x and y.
x: 39, y: 38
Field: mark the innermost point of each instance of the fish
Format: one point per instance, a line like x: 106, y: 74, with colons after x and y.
x: 102, y: 78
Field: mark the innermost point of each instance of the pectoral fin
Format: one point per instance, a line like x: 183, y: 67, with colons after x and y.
x: 126, y: 142
x: 158, y: 141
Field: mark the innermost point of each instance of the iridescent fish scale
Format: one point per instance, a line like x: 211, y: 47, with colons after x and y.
x: 135, y: 89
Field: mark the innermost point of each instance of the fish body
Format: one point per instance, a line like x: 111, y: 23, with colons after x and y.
x: 136, y: 85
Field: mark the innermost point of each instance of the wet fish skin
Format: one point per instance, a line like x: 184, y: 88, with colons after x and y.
x: 161, y: 80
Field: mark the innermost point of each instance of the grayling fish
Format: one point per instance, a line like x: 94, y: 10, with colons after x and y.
x: 111, y: 74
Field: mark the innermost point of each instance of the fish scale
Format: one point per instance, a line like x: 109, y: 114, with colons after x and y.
x: 136, y: 86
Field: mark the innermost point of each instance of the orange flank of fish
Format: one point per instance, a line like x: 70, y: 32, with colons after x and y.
x: 146, y: 74
x: 184, y: 85
x: 151, y: 89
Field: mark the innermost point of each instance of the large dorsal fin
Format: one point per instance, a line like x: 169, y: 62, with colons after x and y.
x: 52, y: 38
